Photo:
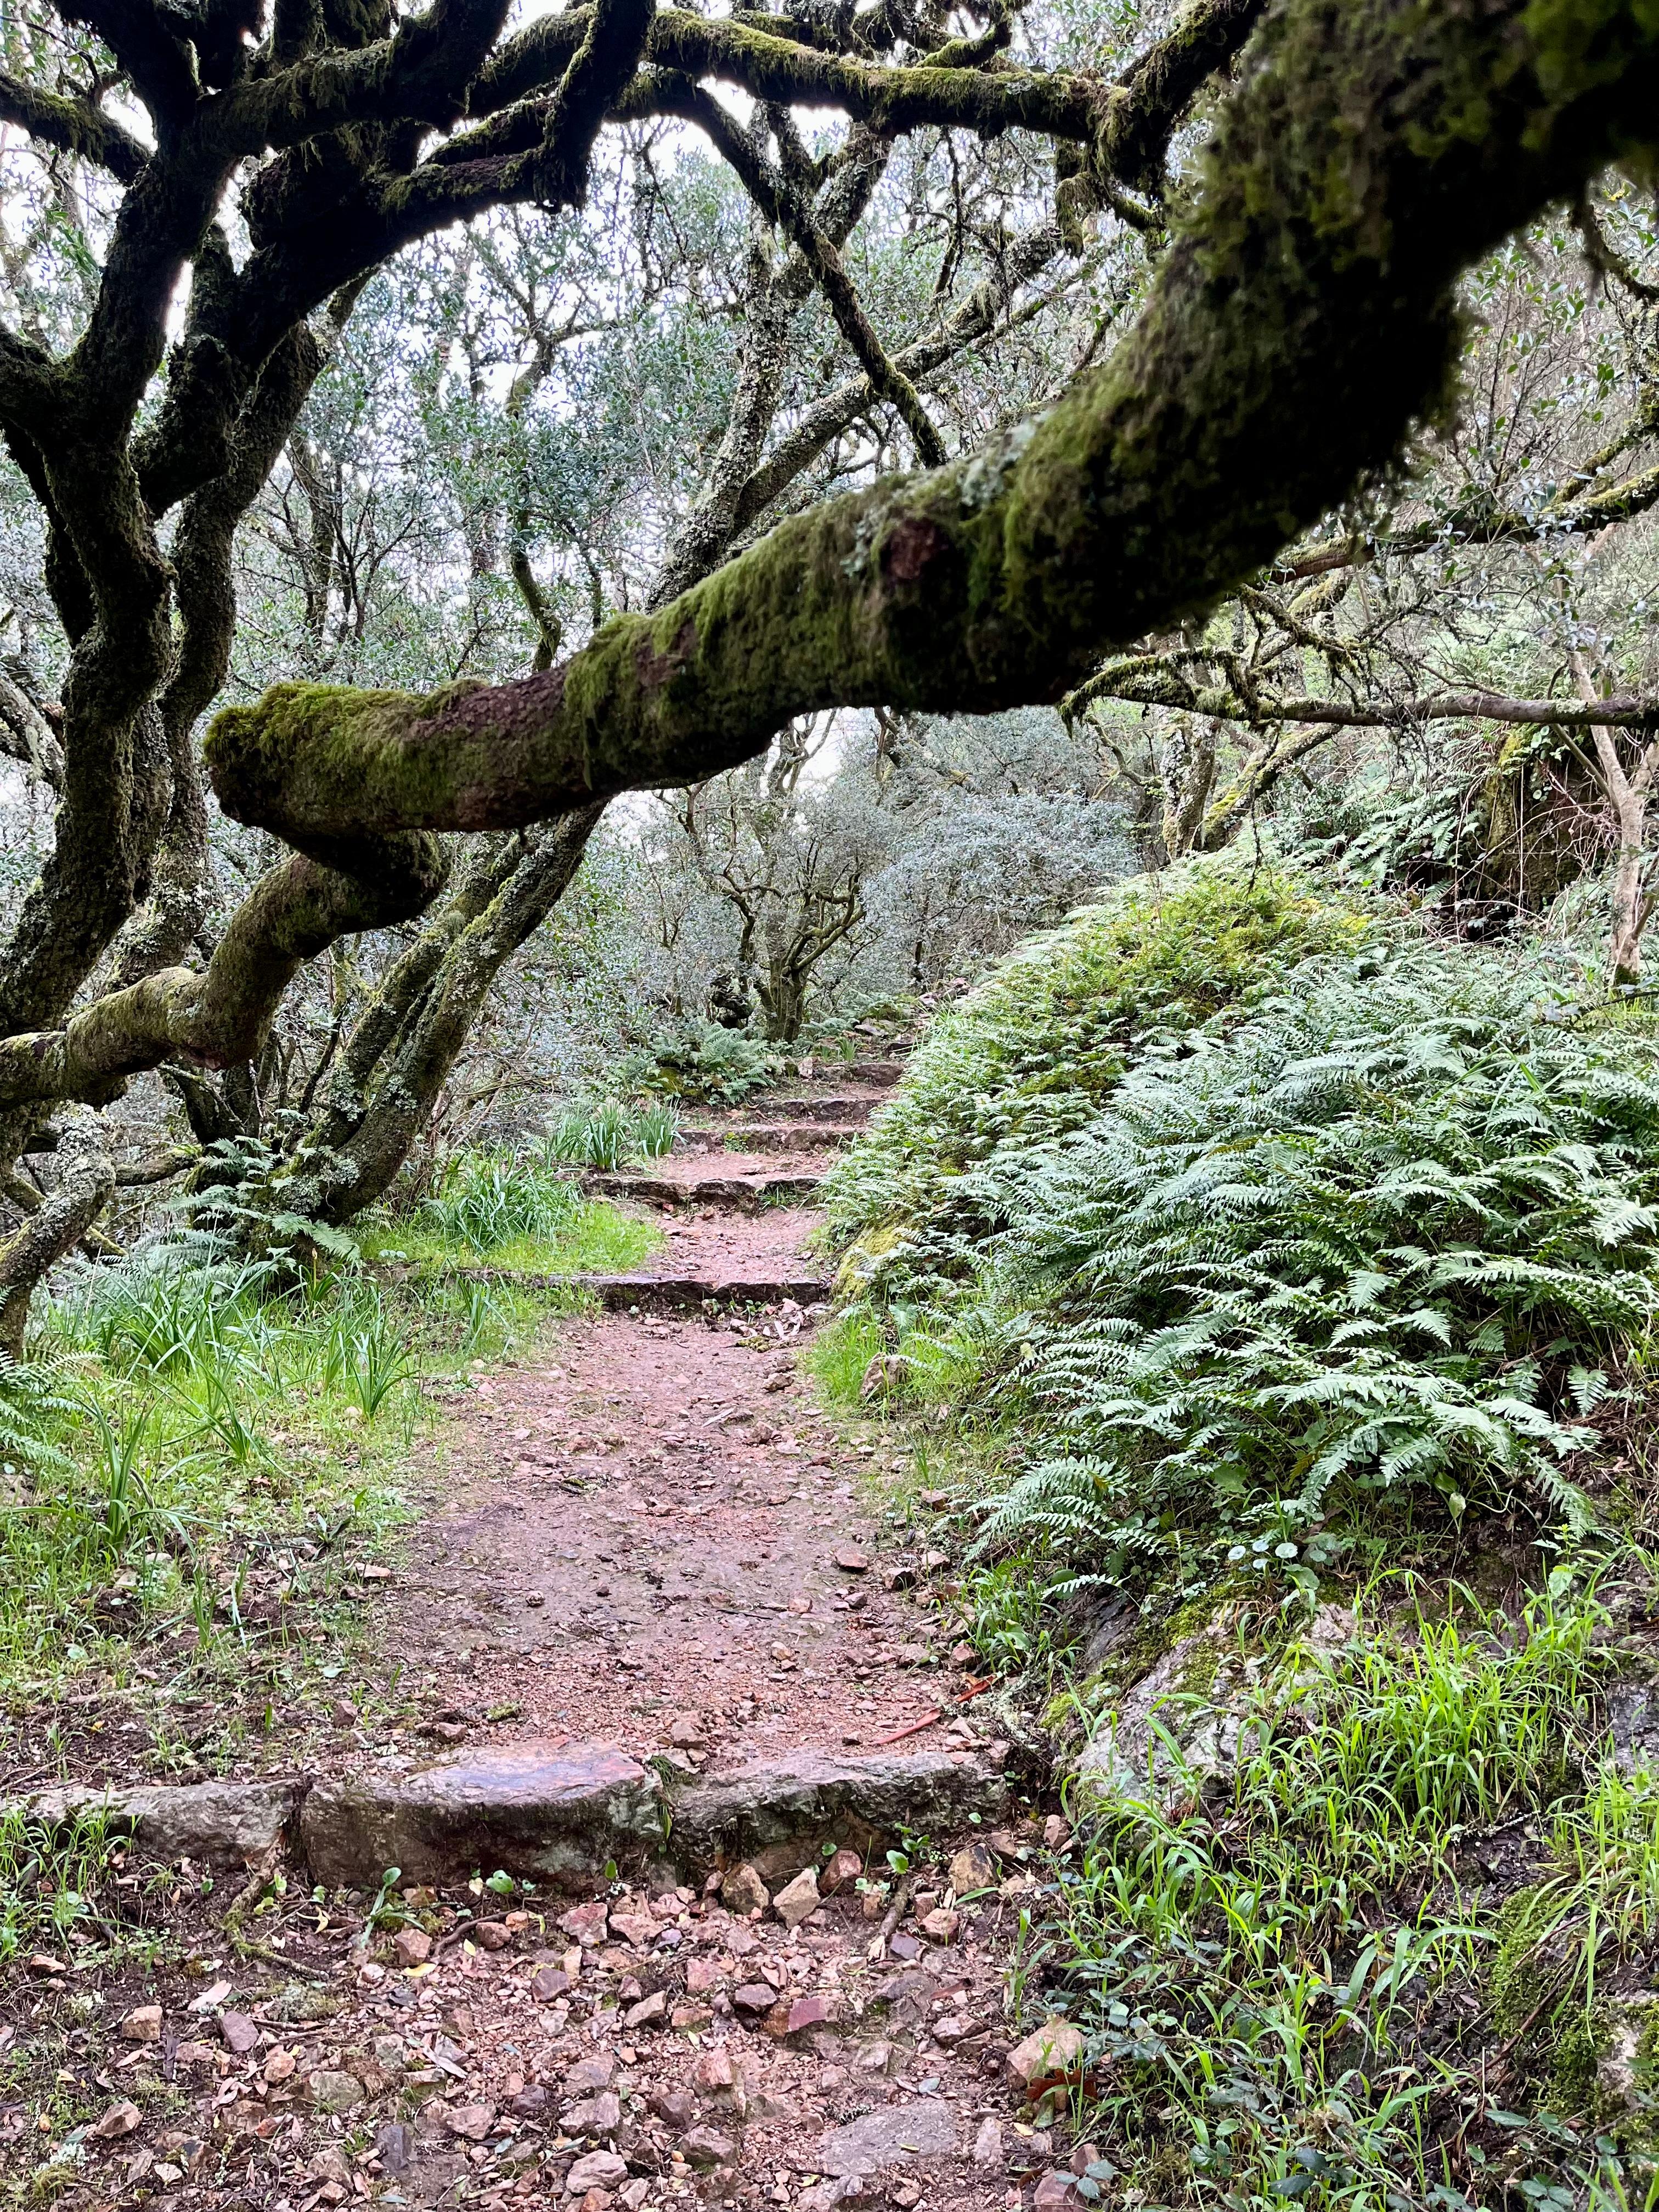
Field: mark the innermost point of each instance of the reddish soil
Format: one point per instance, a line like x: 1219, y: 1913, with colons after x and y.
x: 648, y: 1526
x: 639, y: 1525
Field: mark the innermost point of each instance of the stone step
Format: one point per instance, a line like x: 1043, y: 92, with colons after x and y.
x: 769, y: 1136
x: 679, y: 1293
x: 747, y: 1193
x: 854, y: 1111
x: 550, y: 1812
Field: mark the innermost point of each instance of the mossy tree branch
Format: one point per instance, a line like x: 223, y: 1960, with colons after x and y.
x: 1301, y: 324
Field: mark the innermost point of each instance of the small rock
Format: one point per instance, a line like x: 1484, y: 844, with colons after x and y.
x: 471, y: 2122
x: 851, y: 1560
x: 952, y: 2029
x: 638, y: 1929
x: 674, y: 2108
x: 962, y: 1655
x: 1056, y: 1834
x: 913, y: 1655
x: 754, y: 1997
x: 845, y: 1867
x: 120, y: 2120
x: 547, y: 1983
x: 794, y: 2017
x: 1053, y: 2051
x: 686, y: 1732
x: 635, y: 2193
x: 709, y: 2146
x: 904, y: 1947
x: 528, y: 2103
x: 987, y: 2143
x: 702, y: 1975
x: 973, y: 1868
x: 649, y: 2013
x: 280, y: 2064
x: 1055, y: 2192
x: 413, y: 1947
x: 588, y: 2074
x: 333, y: 2092
x: 143, y: 2026
x: 798, y: 1900
x: 394, y: 2145
x: 240, y: 2032
x: 594, y: 2115
x: 331, y: 2164
x: 742, y: 1890
x: 714, y: 2073
x: 342, y: 1713
x: 197, y: 2058
x: 585, y: 1924
x: 491, y: 1935
x: 941, y: 1925
x: 600, y: 2169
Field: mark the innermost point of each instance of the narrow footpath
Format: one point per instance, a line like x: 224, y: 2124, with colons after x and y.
x: 676, y: 1686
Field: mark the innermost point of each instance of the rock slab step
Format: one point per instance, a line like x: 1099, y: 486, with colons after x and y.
x: 218, y: 1823
x: 556, y: 1816
x: 778, y: 1813
x: 677, y: 1293
x: 747, y: 1191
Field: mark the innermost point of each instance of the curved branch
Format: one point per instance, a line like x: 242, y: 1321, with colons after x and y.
x: 218, y: 1018
x: 85, y: 1184
x: 1299, y: 327
x: 74, y: 126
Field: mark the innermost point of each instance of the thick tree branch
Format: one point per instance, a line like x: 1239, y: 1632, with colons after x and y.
x: 74, y: 126
x: 219, y: 1017
x: 1299, y: 327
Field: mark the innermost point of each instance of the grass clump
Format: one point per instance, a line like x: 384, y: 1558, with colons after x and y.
x: 606, y: 1132
x: 1286, y: 1975
x: 521, y: 1213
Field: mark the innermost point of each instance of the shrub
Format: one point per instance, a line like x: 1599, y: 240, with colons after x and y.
x: 1397, y: 1229
x: 1034, y: 1051
x: 703, y: 1060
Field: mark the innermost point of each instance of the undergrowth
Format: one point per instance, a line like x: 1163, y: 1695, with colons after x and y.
x: 1233, y: 1245
x: 1290, y: 1975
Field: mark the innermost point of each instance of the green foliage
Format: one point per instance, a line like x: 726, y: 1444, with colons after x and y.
x: 1033, y: 1051
x: 1396, y: 1231
x: 1274, y: 1970
x: 486, y: 1199
x: 604, y: 1132
x: 701, y: 1060
x: 50, y: 1880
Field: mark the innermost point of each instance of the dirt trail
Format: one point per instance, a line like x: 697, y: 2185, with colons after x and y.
x: 654, y: 1534
x: 649, y: 1539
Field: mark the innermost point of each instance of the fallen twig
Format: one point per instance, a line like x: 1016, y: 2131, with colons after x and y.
x: 932, y: 1720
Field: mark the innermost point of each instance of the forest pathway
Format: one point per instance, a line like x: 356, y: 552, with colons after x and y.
x: 649, y: 1579
x: 652, y: 1540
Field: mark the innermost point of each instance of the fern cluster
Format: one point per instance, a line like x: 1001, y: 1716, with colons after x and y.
x: 1396, y: 1229
x: 1385, y: 1220
x: 1033, y: 1051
